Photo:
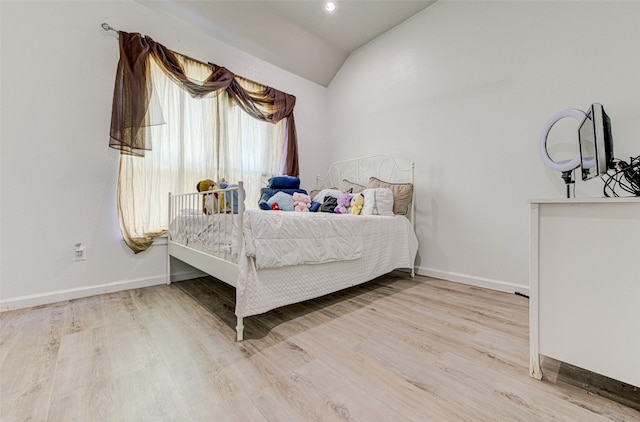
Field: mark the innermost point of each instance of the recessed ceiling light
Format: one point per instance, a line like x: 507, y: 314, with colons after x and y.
x: 329, y: 6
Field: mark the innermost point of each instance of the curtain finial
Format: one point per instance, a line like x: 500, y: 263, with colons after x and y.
x: 108, y: 27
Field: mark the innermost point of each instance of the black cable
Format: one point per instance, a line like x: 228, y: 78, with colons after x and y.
x: 625, y: 177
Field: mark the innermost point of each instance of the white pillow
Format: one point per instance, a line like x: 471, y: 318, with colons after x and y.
x: 319, y: 197
x: 377, y: 201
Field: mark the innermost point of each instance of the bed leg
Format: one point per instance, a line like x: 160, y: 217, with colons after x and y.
x: 239, y: 330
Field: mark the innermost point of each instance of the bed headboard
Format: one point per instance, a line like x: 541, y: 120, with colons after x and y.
x: 359, y: 170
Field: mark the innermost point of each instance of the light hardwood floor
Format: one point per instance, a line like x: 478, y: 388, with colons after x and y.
x: 395, y: 349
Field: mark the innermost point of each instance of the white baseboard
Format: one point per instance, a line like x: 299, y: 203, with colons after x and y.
x: 487, y: 283
x: 70, y: 294
x: 77, y: 293
x: 80, y: 292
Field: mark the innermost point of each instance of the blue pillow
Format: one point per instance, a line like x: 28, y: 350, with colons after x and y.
x: 284, y: 182
x: 284, y: 200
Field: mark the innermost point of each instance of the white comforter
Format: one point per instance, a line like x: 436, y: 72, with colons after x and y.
x: 279, y: 239
x: 372, y: 246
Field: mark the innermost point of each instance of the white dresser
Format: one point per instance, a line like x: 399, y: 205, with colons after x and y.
x: 584, y: 281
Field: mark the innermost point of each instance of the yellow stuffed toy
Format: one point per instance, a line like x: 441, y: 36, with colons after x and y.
x: 356, y: 204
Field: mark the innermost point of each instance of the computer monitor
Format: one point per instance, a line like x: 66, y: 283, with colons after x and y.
x: 596, y: 143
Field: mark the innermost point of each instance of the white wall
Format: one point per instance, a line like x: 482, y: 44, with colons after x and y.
x: 464, y: 89
x: 58, y: 176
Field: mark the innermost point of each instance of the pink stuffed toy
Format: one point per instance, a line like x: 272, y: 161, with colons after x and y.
x: 344, y: 201
x: 301, y: 202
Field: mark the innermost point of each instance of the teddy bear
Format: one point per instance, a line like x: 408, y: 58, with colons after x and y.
x: 344, y: 202
x: 356, y: 203
x: 301, y: 202
x: 204, y: 186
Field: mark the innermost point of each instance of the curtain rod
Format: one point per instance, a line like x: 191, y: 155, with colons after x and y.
x: 108, y: 27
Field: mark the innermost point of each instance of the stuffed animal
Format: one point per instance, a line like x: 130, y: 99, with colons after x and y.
x: 284, y: 201
x: 344, y: 201
x: 356, y: 204
x: 301, y: 202
x: 204, y: 186
x: 329, y: 204
x: 224, y: 205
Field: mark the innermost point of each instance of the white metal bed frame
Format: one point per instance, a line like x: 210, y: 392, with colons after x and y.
x: 223, y: 264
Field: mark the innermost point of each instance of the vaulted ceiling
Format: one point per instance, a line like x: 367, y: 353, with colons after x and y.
x: 298, y: 36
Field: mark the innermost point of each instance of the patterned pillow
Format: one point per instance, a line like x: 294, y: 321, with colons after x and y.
x: 402, y: 193
x: 377, y: 201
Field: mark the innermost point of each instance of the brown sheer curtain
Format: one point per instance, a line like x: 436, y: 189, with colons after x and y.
x: 135, y: 109
x: 132, y: 97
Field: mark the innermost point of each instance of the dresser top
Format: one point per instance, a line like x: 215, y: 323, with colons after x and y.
x: 594, y: 200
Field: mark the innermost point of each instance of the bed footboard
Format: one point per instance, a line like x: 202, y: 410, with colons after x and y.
x: 205, y: 231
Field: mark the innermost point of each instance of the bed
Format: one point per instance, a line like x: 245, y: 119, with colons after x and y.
x: 276, y: 258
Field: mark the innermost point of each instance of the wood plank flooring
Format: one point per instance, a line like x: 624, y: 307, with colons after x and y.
x: 394, y: 349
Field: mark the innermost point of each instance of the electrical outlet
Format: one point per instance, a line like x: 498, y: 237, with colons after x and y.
x: 80, y: 252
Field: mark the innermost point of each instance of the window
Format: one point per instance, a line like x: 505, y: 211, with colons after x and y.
x: 190, y: 131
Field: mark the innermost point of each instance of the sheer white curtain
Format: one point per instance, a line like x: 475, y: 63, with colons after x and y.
x: 250, y: 149
x: 202, y: 138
